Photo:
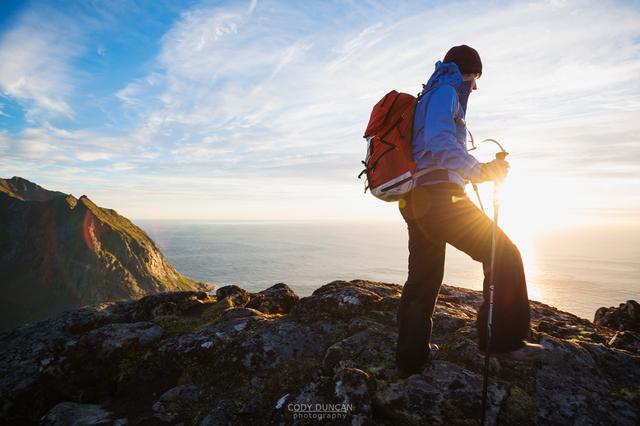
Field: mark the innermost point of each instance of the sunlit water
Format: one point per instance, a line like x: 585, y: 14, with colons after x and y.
x: 575, y: 270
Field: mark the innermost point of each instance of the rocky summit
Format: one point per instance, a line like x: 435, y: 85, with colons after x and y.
x: 242, y: 358
x: 59, y: 252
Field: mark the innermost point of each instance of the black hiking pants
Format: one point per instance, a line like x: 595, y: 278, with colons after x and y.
x: 436, y: 215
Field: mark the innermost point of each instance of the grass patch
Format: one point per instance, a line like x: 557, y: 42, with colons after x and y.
x: 210, y: 314
x: 181, y: 325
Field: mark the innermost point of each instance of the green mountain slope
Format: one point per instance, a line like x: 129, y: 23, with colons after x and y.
x: 58, y: 252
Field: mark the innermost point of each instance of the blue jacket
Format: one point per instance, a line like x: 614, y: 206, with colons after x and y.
x: 439, y: 142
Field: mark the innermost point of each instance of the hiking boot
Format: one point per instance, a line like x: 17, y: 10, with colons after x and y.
x: 529, y: 352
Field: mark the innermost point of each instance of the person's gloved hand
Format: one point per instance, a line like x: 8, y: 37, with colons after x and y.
x: 495, y: 170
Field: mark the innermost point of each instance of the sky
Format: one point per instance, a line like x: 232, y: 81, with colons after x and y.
x: 255, y: 110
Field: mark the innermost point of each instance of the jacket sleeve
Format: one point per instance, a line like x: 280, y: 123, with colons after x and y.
x: 440, y: 135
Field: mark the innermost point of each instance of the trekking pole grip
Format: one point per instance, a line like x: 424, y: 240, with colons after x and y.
x: 501, y: 155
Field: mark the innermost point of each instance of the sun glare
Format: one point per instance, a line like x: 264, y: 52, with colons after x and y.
x: 528, y: 207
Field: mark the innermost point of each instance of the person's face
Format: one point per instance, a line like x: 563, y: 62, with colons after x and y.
x: 472, y: 78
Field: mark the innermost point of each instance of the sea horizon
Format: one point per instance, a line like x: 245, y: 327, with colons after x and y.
x: 575, y: 269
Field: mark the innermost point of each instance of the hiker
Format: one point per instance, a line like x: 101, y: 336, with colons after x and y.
x: 437, y: 211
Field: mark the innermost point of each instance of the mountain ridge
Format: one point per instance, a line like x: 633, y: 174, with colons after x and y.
x: 59, y: 252
x: 26, y: 190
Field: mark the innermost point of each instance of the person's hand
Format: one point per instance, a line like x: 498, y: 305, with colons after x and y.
x: 495, y: 170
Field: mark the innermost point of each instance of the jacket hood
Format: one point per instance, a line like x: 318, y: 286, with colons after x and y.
x: 445, y: 73
x: 449, y: 73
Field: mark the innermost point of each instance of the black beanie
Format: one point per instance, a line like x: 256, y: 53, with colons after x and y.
x: 466, y: 58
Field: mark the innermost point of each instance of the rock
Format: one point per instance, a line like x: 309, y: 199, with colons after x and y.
x: 276, y: 343
x: 579, y: 392
x: 201, y: 342
x: 221, y: 415
x: 519, y: 408
x: 191, y: 358
x: 176, y: 402
x: 462, y: 348
x: 460, y: 296
x: 238, y: 296
x: 170, y: 303
x: 370, y: 349
x: 447, y: 323
x: 342, y: 300
x: 626, y: 340
x: 624, y: 317
x: 443, y: 394
x: 233, y: 313
x: 310, y: 402
x: 71, y: 413
x: 105, y: 341
x: 164, y: 310
x: 355, y: 389
x: 277, y: 299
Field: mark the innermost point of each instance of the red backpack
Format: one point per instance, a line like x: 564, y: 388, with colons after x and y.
x: 388, y: 163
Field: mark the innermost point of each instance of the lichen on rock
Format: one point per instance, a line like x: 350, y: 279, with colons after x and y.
x: 272, y: 358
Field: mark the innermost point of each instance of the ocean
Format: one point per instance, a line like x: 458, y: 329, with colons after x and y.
x: 576, y: 270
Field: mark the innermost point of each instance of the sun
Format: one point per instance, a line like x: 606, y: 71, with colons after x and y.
x: 529, y: 206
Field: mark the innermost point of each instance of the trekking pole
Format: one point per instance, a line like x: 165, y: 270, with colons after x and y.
x: 496, y: 206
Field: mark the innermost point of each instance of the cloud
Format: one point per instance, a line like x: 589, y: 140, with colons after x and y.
x: 246, y: 79
x: 276, y: 94
x: 36, y: 55
x: 49, y: 145
x: 266, y: 85
x: 2, y: 113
